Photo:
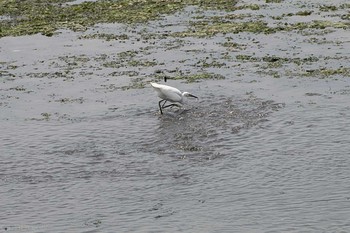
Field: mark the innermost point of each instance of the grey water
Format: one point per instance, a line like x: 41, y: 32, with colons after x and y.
x: 232, y: 164
x: 253, y: 154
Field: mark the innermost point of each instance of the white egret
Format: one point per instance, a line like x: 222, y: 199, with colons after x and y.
x: 171, y: 94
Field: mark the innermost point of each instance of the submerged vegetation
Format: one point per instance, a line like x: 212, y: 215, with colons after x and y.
x: 227, y: 36
x: 209, y: 28
x: 324, y: 72
x: 197, y: 77
x: 36, y: 16
x: 45, y: 17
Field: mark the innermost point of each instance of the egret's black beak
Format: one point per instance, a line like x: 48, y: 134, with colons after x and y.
x: 193, y: 96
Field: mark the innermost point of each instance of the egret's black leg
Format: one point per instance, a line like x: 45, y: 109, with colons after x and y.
x: 160, y: 107
x: 164, y: 103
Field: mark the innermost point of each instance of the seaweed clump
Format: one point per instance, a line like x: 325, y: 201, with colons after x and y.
x: 45, y: 17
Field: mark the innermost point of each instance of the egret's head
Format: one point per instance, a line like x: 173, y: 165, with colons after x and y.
x: 187, y: 94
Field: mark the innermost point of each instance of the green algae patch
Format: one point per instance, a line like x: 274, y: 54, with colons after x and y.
x: 276, y: 59
x: 197, y: 77
x: 127, y: 58
x: 324, y: 72
x: 70, y: 100
x: 273, y: 1
x: 328, y: 8
x: 233, y: 46
x: 142, y: 62
x: 303, y: 13
x: 105, y: 36
x: 45, y: 17
x: 205, y: 63
x: 45, y: 116
x: 318, y: 24
x: 207, y: 30
x: 244, y: 57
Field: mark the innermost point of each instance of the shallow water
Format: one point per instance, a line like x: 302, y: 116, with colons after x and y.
x: 254, y: 154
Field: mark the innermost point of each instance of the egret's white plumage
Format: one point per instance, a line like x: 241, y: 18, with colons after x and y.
x: 168, y: 93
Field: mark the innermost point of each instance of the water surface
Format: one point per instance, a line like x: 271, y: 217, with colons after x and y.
x: 82, y: 153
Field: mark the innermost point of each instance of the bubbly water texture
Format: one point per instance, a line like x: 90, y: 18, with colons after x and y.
x: 253, y: 154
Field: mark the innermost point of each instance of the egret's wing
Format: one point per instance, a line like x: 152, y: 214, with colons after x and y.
x: 167, y: 92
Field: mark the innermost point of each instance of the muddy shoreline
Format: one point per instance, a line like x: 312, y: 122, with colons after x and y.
x: 194, y: 44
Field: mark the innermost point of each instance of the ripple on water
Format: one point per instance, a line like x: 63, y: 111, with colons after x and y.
x: 203, y: 132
